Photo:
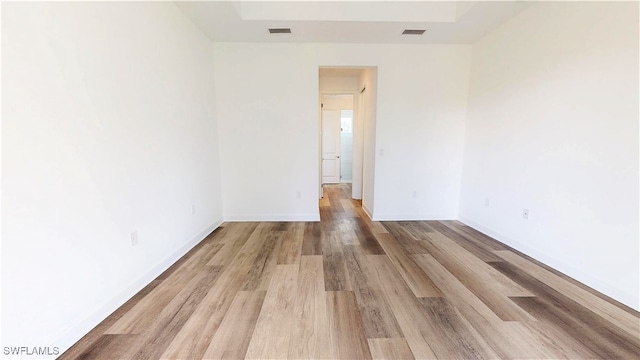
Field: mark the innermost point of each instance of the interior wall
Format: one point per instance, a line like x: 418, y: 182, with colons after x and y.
x: 269, y: 150
x: 553, y: 128
x: 368, y: 98
x: 420, y: 109
x: 419, y: 135
x: 337, y: 102
x: 338, y: 83
x: 108, y: 128
x: 358, y: 146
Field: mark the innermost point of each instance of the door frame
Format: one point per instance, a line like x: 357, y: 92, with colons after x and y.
x: 360, y: 134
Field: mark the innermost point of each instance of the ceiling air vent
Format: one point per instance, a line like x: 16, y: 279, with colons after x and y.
x: 413, y: 32
x: 280, y: 31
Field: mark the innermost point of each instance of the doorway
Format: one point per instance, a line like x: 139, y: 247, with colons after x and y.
x: 357, y: 124
x: 346, y: 146
x: 337, y: 138
x: 331, y: 146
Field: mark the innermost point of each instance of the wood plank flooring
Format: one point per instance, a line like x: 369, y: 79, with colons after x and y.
x: 350, y: 288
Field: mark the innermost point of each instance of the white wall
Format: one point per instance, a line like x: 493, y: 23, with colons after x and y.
x: 267, y: 110
x: 267, y: 98
x: 553, y: 127
x: 422, y: 109
x: 337, y: 102
x: 107, y: 128
x: 368, y: 107
x: 338, y: 83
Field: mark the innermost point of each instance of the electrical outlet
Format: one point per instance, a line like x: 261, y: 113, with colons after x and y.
x: 415, y: 194
x: 298, y: 195
x: 193, y: 209
x: 525, y: 214
x: 134, y: 238
x: 487, y: 202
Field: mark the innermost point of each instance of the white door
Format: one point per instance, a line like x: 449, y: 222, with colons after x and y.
x: 330, y: 146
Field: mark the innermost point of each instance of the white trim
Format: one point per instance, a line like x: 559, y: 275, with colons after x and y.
x: 587, y: 279
x: 367, y: 211
x: 411, y: 216
x: 273, y: 217
x: 77, y: 331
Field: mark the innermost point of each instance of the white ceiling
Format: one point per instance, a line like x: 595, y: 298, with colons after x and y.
x: 453, y: 22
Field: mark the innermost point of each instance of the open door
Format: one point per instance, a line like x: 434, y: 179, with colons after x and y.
x: 330, y: 146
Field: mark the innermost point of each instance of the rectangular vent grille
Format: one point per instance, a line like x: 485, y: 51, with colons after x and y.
x: 413, y: 32
x: 280, y: 31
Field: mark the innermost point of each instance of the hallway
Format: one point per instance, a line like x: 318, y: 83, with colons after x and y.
x: 350, y: 288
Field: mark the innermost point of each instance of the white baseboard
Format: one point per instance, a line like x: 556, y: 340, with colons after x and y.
x: 411, y: 216
x: 273, y: 217
x: 587, y: 279
x: 367, y: 211
x: 77, y: 331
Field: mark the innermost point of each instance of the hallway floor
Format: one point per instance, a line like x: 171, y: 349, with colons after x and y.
x: 350, y: 288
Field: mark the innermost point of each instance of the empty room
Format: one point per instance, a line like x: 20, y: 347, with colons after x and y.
x: 320, y: 180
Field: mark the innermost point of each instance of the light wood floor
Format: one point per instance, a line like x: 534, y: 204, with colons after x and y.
x: 350, y: 288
